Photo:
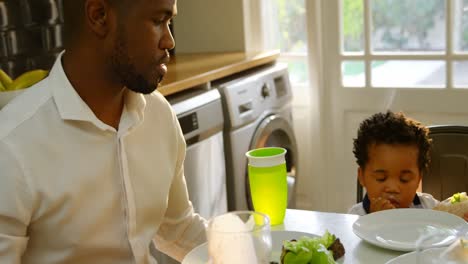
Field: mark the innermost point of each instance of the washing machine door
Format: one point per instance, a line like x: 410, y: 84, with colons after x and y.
x: 276, y: 131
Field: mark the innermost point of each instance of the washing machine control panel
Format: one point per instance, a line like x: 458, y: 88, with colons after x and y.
x: 265, y: 91
x: 189, y: 123
x: 281, y: 87
x: 250, y: 96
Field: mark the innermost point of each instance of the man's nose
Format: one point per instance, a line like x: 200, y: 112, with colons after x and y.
x: 167, y: 41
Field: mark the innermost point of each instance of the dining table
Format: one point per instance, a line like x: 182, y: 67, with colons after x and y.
x: 389, y: 239
x: 341, y: 225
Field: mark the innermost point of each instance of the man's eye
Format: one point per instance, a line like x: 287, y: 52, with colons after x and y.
x: 158, y: 21
x: 380, y: 179
x: 162, y: 22
x: 404, y: 180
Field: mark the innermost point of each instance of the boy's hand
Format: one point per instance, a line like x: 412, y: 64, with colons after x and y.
x: 379, y: 204
x: 465, y: 216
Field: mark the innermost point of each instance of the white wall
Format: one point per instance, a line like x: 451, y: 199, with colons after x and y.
x: 209, y: 26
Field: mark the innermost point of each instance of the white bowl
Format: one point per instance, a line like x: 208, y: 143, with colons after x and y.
x: 7, y: 96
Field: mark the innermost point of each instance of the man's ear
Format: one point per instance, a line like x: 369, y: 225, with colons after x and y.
x: 97, y: 16
x: 361, y: 179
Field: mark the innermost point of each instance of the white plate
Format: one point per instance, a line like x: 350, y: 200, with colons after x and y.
x: 399, y: 229
x: 199, y: 255
x: 412, y: 258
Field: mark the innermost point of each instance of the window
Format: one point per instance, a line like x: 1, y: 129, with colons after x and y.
x: 404, y: 43
x: 366, y: 56
x: 286, y: 29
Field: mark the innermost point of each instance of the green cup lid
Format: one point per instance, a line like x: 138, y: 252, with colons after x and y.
x: 266, y: 157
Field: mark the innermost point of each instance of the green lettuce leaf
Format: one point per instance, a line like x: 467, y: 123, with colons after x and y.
x: 307, y: 250
x: 458, y: 197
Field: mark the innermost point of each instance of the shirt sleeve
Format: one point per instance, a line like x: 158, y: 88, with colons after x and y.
x: 181, y: 229
x: 357, y: 209
x: 427, y: 200
x: 15, y: 207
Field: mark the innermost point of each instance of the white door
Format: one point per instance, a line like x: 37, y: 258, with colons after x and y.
x: 401, y: 55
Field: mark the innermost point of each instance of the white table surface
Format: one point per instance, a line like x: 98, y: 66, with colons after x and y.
x: 357, y: 251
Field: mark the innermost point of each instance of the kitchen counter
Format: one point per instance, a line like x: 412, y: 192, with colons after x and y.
x: 190, y: 70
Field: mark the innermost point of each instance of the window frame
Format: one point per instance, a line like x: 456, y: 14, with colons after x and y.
x: 449, y: 56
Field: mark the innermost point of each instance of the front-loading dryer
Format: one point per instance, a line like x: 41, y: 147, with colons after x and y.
x: 257, y: 113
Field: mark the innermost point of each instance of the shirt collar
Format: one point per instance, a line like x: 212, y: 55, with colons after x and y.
x: 366, y: 202
x: 133, y: 112
x: 72, y: 107
x: 135, y: 103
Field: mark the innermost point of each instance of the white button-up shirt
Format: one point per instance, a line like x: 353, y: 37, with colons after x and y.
x: 75, y: 190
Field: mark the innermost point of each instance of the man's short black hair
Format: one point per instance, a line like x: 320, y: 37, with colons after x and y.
x: 74, y: 15
x: 393, y: 129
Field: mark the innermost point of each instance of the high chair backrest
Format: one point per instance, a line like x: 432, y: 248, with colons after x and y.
x: 448, y: 170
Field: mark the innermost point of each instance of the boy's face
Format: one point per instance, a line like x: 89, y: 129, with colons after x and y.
x: 392, y: 173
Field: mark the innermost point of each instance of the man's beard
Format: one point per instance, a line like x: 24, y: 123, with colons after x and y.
x: 125, y: 70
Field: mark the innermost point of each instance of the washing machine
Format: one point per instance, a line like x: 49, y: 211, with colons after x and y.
x: 257, y: 113
x: 199, y: 113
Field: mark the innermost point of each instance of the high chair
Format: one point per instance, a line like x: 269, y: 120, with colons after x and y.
x: 448, y: 170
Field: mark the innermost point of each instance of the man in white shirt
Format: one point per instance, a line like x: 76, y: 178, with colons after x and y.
x: 91, y: 159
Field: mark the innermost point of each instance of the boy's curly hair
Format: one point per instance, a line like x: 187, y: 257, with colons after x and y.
x: 394, y: 129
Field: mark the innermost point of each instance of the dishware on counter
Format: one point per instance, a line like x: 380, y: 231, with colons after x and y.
x: 268, y: 182
x: 239, y: 237
x: 199, y: 255
x: 42, y: 12
x: 10, y: 14
x: 400, y: 229
x: 31, y: 33
x: 6, y: 97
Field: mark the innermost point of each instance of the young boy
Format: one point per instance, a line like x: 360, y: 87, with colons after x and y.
x: 392, y: 152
